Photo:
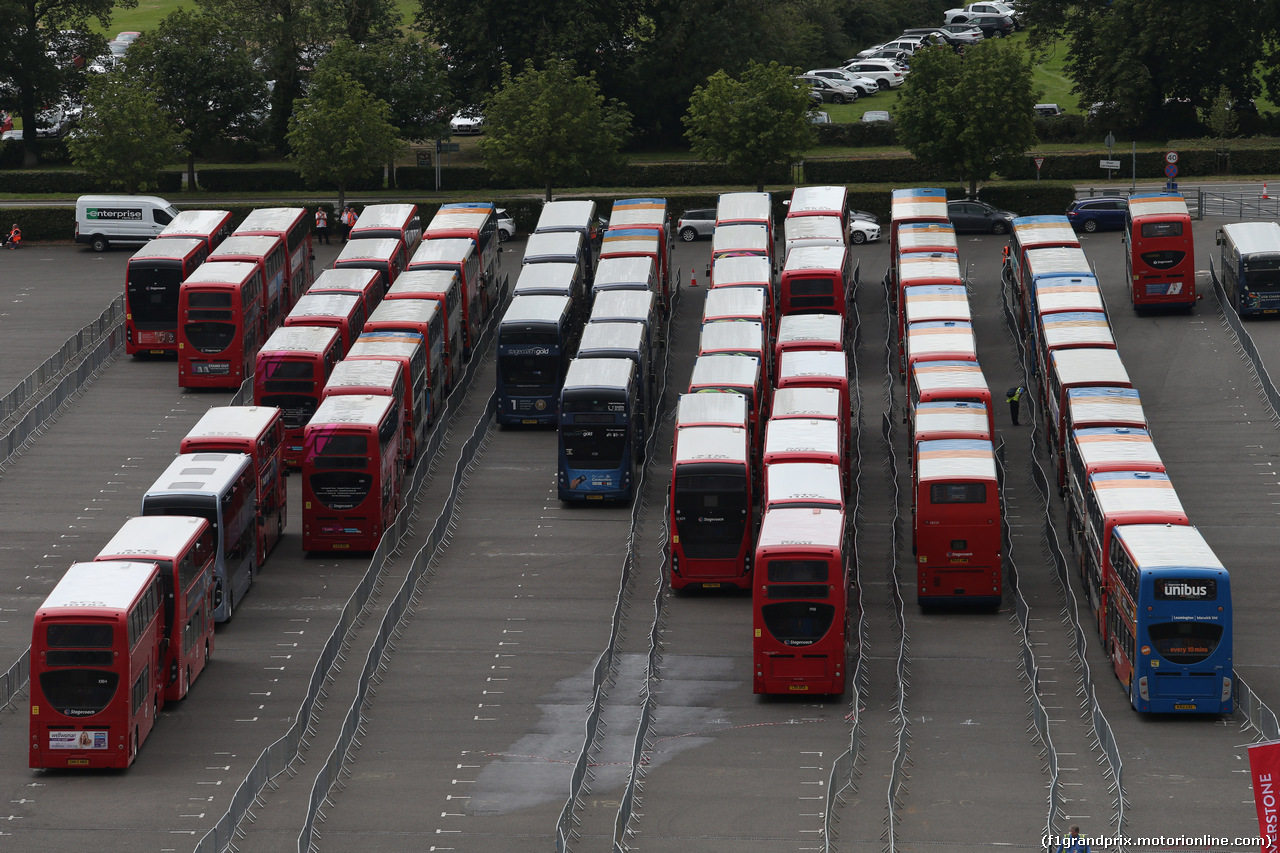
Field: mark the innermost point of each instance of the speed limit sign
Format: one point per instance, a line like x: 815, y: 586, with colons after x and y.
x: 1171, y: 157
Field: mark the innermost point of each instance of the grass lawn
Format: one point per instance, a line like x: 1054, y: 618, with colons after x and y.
x: 147, y: 14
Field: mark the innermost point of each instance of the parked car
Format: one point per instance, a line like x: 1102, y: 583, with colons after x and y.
x: 906, y: 44
x: 930, y: 35
x: 52, y: 123
x: 864, y: 214
x: 15, y: 135
x: 877, y: 115
x: 467, y: 120
x: 864, y: 85
x: 978, y: 216
x: 819, y: 117
x: 506, y: 225
x: 127, y: 36
x: 974, y: 10
x: 963, y: 34
x: 886, y: 74
x: 1047, y: 110
x: 994, y: 26
x: 863, y: 230
x: 696, y: 223
x: 899, y: 57
x: 835, y: 91
x: 1098, y: 214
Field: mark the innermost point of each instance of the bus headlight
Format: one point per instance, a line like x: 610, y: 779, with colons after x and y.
x: 1142, y: 689
x: 1226, y: 689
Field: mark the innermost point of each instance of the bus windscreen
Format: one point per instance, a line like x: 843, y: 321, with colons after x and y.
x: 539, y: 374
x: 798, y: 623
x: 153, y: 295
x: 595, y: 447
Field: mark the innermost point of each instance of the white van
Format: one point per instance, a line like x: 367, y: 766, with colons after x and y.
x: 105, y: 219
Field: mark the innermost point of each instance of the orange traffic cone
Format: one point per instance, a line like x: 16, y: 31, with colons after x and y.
x: 1264, y: 190
x: 693, y: 277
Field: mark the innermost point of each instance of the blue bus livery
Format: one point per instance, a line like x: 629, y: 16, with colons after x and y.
x: 535, y: 343
x: 600, y: 441
x: 1251, y: 266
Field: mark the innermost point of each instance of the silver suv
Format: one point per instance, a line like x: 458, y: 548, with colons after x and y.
x: 864, y: 85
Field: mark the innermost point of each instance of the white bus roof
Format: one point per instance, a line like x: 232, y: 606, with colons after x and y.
x: 947, y: 416
x: 619, y: 337
x: 1045, y: 230
x: 200, y: 473
x: 195, y: 222
x: 816, y: 258
x: 312, y: 339
x: 936, y: 302
x: 274, y: 219
x: 917, y: 236
x: 245, y: 245
x: 806, y: 403
x: 381, y: 345
x: 444, y: 250
x: 566, y: 216
x: 735, y: 302
x: 1134, y: 491
x: 158, y: 537
x: 535, y: 309
x: 588, y: 373
x: 918, y: 203
x: 802, y: 435
x: 1088, y: 365
x: 636, y: 271
x: 325, y: 305
x: 741, y: 269
x: 613, y: 305
x: 813, y: 227
x: 947, y: 375
x: 1254, y: 237
x: 798, y: 363
x: 712, y: 444
x: 222, y: 272
x: 422, y: 281
x: 796, y: 328
x: 1104, y: 445
x: 233, y: 421
x: 413, y: 310
x: 629, y: 241
x: 719, y: 337
x: 351, y: 410
x: 558, y: 246
x: 1105, y: 405
x: 169, y: 247
x: 1167, y: 546
x: 630, y: 212
x: 941, y: 336
x: 462, y: 216
x: 808, y: 482
x: 743, y: 237
x: 1058, y: 260
x: 809, y: 527
x: 727, y: 409
x: 918, y: 266
x: 349, y: 279
x: 810, y: 201
x: 1077, y: 328
x: 103, y: 586
x: 366, y: 371
x: 557, y: 277
x: 386, y: 216
x: 744, y: 207
x: 1157, y: 204
x: 1068, y: 293
x: 732, y: 370
x: 954, y: 458
x: 374, y: 249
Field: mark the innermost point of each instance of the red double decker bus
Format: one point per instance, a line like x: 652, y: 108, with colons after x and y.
x: 711, y: 517
x: 351, y: 473
x: 184, y: 549
x: 1161, y: 260
x: 220, y: 326
x: 740, y: 374
x: 947, y: 381
x: 152, y: 279
x: 460, y: 256
x: 816, y: 280
x: 409, y: 350
x: 445, y: 288
x: 803, y: 485
x: 367, y: 284
x: 799, y: 602
x: 1093, y: 450
x: 924, y: 205
x: 477, y: 222
x: 386, y: 256
x: 258, y: 432
x: 95, y: 666
x: 362, y: 376
x: 209, y: 226
x: 741, y: 271
x: 270, y: 253
x: 956, y: 524
x: 293, y: 226
x: 739, y: 303
x: 341, y: 311
x: 938, y: 340
x: 817, y: 369
x: 290, y: 375
x: 423, y: 317
x: 799, y: 332
x: 390, y: 221
x: 649, y: 214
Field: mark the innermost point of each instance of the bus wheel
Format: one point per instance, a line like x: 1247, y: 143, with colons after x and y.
x: 133, y: 747
x: 188, y: 687
x: 206, y: 652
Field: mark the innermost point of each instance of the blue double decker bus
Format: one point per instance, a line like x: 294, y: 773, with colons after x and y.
x: 600, y: 430
x: 535, y: 342
x: 1251, y: 266
x: 1169, y: 614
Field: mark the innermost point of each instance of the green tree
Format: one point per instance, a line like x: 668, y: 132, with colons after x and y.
x: 38, y: 43
x: 962, y: 114
x: 753, y: 123
x: 1221, y: 115
x: 340, y: 132
x: 552, y: 127
x: 202, y: 75
x: 124, y: 137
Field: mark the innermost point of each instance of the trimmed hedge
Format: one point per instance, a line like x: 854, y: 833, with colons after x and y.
x: 72, y: 181
x: 868, y: 170
x: 273, y: 179
x: 858, y: 134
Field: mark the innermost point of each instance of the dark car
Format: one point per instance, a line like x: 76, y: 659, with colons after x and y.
x: 696, y: 223
x: 1098, y: 214
x: 978, y: 216
x: 993, y: 26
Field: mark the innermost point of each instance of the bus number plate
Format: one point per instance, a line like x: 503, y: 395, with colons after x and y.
x: 797, y: 687
x: 77, y: 762
x: 711, y: 586
x: 1185, y: 707
x: 595, y: 497
x: 959, y: 560
x: 527, y: 421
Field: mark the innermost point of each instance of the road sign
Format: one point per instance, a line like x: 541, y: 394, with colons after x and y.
x: 1110, y: 141
x: 1039, y: 162
x: 1171, y: 171
x: 450, y: 147
x: 1109, y: 164
x: 1171, y: 157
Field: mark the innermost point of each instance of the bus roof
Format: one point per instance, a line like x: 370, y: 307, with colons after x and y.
x: 629, y: 212
x: 1251, y: 238
x: 1077, y: 328
x: 534, y: 309
x: 806, y: 403
x: 620, y: 337
x: 599, y: 373
x: 1049, y: 230
x: 802, y: 435
x: 919, y: 203
x: 816, y: 258
x: 275, y: 220
x: 380, y: 344
x: 741, y: 269
x: 374, y: 372
x: 566, y: 216
x: 1058, y: 260
x: 370, y: 249
x: 103, y: 586
x: 808, y: 527
x: 152, y: 536
x: 444, y: 250
x: 798, y: 363
x: 744, y: 207
x: 735, y: 371
x: 246, y: 246
x: 744, y: 302
x: 465, y: 216
x: 424, y: 281
x: 308, y: 339
x: 947, y: 375
x: 813, y: 227
x: 742, y: 237
x: 1157, y: 204
x: 1135, y: 491
x: 1067, y: 293
x: 412, y: 310
x: 615, y: 271
x: 1103, y: 445
x: 1088, y: 365
x: 553, y: 245
x: 727, y: 409
x: 951, y: 458
x: 325, y: 305
x: 954, y: 417
x: 556, y: 278
x: 928, y: 265
x: 222, y: 272
x: 234, y: 421
x: 623, y: 305
x: 822, y: 200
x: 1105, y: 405
x: 712, y: 444
x: 810, y: 327
x: 619, y: 241
x: 200, y: 473
x: 745, y: 335
x: 347, y: 279
x: 936, y: 302
x: 168, y: 248
x: 195, y: 222
x: 934, y: 336
x: 366, y: 410
x: 927, y: 236
x: 792, y: 482
x: 385, y: 216
x: 1167, y: 546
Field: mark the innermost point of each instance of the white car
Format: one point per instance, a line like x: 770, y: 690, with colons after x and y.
x: 887, y: 74
x: 863, y: 230
x: 467, y: 120
x: 864, y: 85
x: 506, y: 225
x: 962, y: 16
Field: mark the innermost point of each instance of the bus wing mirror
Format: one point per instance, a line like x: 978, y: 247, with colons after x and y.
x: 1217, y: 237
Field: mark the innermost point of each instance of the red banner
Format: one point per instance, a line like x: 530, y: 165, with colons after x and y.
x: 1264, y: 764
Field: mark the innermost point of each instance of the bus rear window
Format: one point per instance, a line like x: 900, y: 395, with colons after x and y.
x: 798, y: 571
x: 78, y: 636
x: 1162, y: 229
x: 1185, y: 642
x: 812, y: 286
x: 79, y: 692
x: 208, y: 299
x: 958, y: 493
x: 342, y: 445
